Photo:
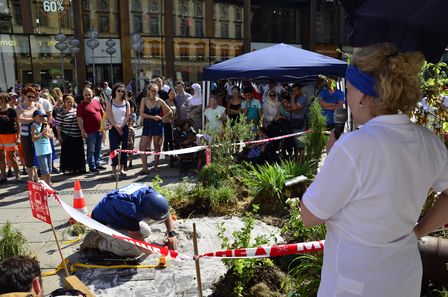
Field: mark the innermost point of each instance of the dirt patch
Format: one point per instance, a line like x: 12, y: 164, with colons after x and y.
x: 266, y: 282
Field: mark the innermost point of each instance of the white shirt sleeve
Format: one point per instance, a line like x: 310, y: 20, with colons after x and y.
x: 441, y: 183
x: 337, y: 183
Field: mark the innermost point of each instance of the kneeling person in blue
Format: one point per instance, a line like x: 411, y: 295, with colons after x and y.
x: 127, y: 210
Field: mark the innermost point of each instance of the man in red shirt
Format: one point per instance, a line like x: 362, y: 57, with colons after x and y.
x: 89, y: 115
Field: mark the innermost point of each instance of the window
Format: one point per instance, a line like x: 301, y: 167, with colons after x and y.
x: 184, y: 27
x: 225, y: 52
x: 154, y: 25
x: 86, y: 22
x: 198, y: 28
x: 224, y: 12
x: 17, y: 13
x: 5, y: 23
x: 237, y: 14
x: 225, y: 30
x: 136, y: 5
x: 184, y: 50
x: 184, y: 8
x: 198, y: 9
x: 137, y: 22
x: 200, y: 50
x: 103, y: 5
x: 103, y: 23
x: 85, y: 5
x: 238, y: 34
x: 154, y: 6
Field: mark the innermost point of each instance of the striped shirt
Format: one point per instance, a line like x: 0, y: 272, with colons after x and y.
x: 67, y: 121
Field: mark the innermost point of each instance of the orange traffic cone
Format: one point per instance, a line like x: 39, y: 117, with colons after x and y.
x: 78, y: 201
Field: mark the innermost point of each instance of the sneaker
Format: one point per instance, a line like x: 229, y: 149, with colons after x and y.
x: 101, y: 167
x: 123, y: 174
x: 55, y: 170
x: 94, y: 170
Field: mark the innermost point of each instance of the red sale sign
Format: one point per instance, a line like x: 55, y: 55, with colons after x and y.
x: 39, y: 202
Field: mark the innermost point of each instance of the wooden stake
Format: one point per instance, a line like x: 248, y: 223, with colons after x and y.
x: 118, y: 167
x: 60, y: 251
x: 198, y: 267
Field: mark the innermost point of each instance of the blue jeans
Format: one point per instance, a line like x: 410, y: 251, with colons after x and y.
x: 94, y: 149
x: 115, y: 139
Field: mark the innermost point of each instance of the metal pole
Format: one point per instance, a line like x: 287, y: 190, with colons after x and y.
x: 76, y: 74
x: 196, y: 261
x: 62, y: 68
x: 111, y: 72
x: 118, y: 167
x: 93, y: 64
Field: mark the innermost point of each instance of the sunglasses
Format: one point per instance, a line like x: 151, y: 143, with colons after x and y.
x: 271, y: 95
x: 31, y: 97
x: 120, y: 91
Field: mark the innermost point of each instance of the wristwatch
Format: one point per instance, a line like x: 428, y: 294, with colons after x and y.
x: 172, y: 234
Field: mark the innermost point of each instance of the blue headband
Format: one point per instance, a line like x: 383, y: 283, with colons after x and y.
x: 361, y: 80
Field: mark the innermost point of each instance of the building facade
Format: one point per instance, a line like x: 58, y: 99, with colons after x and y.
x: 179, y: 37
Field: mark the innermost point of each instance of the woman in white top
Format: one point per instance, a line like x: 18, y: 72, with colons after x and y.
x: 375, y: 180
x: 118, y: 112
x: 271, y: 108
x: 193, y: 107
x: 215, y: 115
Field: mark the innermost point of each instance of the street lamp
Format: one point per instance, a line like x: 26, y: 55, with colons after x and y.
x: 93, y: 43
x: 61, y: 46
x: 137, y: 47
x: 74, y: 49
x: 111, y: 50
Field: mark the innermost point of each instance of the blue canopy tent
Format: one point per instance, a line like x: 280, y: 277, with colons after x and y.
x: 280, y: 62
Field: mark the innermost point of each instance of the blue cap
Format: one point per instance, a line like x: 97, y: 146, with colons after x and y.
x: 39, y: 112
x: 155, y: 206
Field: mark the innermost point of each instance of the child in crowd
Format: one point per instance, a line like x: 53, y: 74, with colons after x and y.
x: 131, y: 139
x: 41, y: 133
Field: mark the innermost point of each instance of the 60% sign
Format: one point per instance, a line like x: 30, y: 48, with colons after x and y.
x: 53, y: 6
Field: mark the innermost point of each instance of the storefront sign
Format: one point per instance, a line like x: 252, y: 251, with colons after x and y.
x: 327, y: 50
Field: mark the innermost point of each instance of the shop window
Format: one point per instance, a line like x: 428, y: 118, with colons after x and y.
x: 137, y: 23
x: 155, y: 30
x: 198, y: 28
x: 103, y: 23
x: 224, y: 30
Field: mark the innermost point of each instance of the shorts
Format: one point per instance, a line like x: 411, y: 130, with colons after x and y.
x: 28, y: 150
x: 45, y: 163
x: 8, y: 142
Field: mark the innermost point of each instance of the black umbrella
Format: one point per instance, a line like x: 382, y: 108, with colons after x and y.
x: 409, y: 24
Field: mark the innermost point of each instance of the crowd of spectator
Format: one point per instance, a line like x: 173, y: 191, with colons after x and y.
x: 33, y: 120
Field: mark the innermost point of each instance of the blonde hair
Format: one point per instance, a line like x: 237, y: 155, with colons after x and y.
x: 4, y: 97
x: 70, y: 98
x: 57, y: 91
x: 397, y: 77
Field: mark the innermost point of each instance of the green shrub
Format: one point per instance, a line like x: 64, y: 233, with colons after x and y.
x: 293, y: 228
x: 293, y: 168
x: 12, y: 242
x: 243, y: 269
x: 303, y: 278
x: 213, y: 174
x: 315, y: 140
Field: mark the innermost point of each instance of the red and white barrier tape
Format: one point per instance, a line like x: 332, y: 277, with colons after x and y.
x: 259, y: 252
x: 195, y: 149
x: 268, y: 251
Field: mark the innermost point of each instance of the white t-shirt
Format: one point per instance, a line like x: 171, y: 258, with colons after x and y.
x: 213, y: 115
x: 46, y: 104
x: 370, y: 192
